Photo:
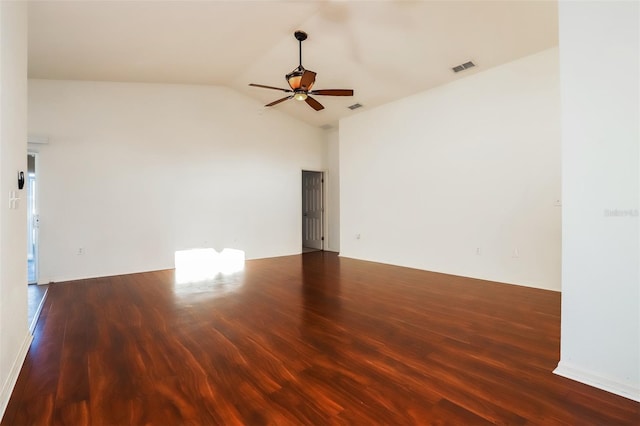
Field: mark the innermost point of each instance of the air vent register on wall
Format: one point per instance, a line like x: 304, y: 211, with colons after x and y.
x: 38, y: 139
x: 463, y: 67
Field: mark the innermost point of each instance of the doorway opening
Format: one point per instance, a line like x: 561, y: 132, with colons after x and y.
x: 32, y: 220
x: 35, y: 293
x: 312, y: 211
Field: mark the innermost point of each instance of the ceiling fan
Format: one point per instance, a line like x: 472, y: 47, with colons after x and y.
x: 301, y: 81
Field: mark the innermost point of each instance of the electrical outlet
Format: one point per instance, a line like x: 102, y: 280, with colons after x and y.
x: 478, y: 251
x: 357, y: 236
x: 80, y: 251
x: 516, y: 252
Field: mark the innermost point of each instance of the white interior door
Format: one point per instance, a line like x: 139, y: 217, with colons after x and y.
x: 312, y: 210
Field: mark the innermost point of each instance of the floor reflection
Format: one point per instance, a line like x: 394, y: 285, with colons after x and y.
x: 203, y: 274
x: 321, y: 301
x: 205, y: 264
x: 214, y: 287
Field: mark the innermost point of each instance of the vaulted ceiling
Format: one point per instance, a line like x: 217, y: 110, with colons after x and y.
x: 384, y: 50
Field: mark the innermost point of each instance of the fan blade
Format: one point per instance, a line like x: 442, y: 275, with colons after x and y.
x: 269, y: 87
x: 333, y: 92
x: 313, y: 103
x: 286, y: 98
x: 308, y: 78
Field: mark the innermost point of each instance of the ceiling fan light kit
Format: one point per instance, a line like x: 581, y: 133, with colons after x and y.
x: 301, y: 81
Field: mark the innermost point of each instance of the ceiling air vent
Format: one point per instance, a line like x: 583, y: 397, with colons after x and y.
x: 463, y: 67
x: 355, y: 106
x: 326, y: 127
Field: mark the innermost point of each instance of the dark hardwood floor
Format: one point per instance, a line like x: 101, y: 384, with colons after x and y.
x: 309, y: 339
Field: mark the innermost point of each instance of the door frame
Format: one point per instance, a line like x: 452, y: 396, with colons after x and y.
x: 36, y: 201
x: 325, y: 210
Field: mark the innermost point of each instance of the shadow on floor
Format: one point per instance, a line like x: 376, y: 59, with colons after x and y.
x: 35, y: 300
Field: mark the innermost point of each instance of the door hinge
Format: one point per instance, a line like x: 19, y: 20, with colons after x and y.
x: 322, y: 239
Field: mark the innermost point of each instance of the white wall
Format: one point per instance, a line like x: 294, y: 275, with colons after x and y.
x: 599, y: 54
x: 14, y: 333
x: 134, y: 172
x: 333, y: 190
x: 473, y: 166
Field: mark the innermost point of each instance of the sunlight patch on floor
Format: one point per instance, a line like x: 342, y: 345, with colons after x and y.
x: 206, y: 264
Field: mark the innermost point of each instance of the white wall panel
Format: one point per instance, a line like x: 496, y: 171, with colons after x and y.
x: 462, y: 179
x: 134, y: 172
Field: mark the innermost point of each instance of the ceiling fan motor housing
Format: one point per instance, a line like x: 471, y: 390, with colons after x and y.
x: 294, y: 77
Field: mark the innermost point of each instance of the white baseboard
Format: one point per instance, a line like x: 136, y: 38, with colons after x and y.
x: 9, y: 384
x: 601, y: 382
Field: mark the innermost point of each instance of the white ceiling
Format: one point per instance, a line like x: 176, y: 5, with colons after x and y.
x: 384, y: 50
